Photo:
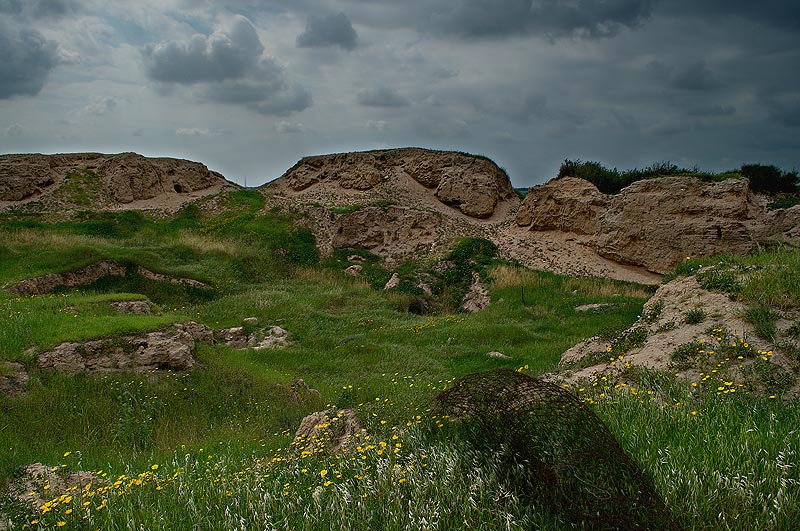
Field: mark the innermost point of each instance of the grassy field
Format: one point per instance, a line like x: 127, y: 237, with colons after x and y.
x: 211, y: 449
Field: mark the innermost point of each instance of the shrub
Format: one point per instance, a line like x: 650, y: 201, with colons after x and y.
x: 763, y: 319
x: 770, y: 178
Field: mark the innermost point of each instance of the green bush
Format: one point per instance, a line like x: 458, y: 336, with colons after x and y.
x: 695, y: 316
x: 770, y: 179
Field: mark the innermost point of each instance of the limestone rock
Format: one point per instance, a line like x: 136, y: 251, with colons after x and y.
x: 568, y: 204
x: 199, y: 332
x: 498, y: 355
x: 133, y: 307
x: 328, y: 432
x: 477, y: 298
x: 22, y: 176
x: 250, y: 321
x: 354, y: 270
x: 475, y: 194
x: 356, y: 258
x: 79, y: 277
x: 234, y: 337
x: 271, y: 339
x: 301, y: 391
x: 13, y: 378
x: 394, y: 232
x: 593, y: 306
x: 393, y: 282
x: 164, y: 349
x: 587, y: 347
x: 658, y: 222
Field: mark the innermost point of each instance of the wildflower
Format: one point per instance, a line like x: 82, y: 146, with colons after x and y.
x: 323, y: 473
x: 67, y: 454
x: 61, y: 523
x: 154, y: 467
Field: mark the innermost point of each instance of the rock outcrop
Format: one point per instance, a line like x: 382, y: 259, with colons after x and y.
x: 655, y: 223
x: 328, y: 432
x: 104, y: 181
x: 164, y: 349
x: 393, y: 232
x: 567, y: 204
x: 473, y: 185
x: 477, y: 296
x: 91, y: 273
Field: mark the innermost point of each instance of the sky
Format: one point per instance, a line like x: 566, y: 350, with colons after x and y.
x: 249, y: 87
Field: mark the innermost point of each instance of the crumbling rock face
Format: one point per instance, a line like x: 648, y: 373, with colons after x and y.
x: 129, y: 177
x: 122, y: 178
x: 79, y: 277
x: 22, y: 176
x: 13, y: 378
x: 271, y: 338
x: 91, y: 273
x: 328, y: 432
x: 567, y: 204
x: 477, y: 297
x: 471, y: 184
x: 390, y: 232
x: 165, y: 349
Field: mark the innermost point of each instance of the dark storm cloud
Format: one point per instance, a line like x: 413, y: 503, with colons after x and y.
x: 381, y: 96
x: 784, y: 107
x: 39, y: 8
x: 504, y: 18
x: 694, y: 76
x: 779, y: 13
x: 331, y: 30
x: 220, y: 56
x: 27, y: 61
x: 228, y: 67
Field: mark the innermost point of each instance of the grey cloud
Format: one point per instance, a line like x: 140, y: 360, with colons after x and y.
x: 713, y: 111
x: 784, y: 108
x: 39, y: 8
x: 14, y: 131
x: 695, y: 76
x: 228, y: 67
x: 381, y: 96
x: 778, y: 13
x: 331, y: 30
x: 191, y: 131
x: 101, y: 105
x: 27, y: 61
x: 285, y: 127
x: 222, y: 55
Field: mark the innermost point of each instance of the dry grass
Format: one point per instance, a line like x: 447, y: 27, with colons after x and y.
x: 205, y: 243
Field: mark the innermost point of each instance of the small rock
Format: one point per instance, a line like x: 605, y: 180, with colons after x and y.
x: 392, y: 282
x: 272, y: 339
x: 133, y: 307
x: 354, y: 270
x: 327, y: 431
x: 498, y: 355
x: 595, y: 306
x: 199, y: 332
x: 234, y: 337
x: 477, y: 298
x: 426, y: 289
x: 356, y: 258
x: 301, y: 391
x: 250, y: 321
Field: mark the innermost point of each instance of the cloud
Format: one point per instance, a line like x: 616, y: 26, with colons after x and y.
x: 695, y: 76
x: 381, y: 96
x: 331, y: 30
x: 192, y: 131
x: 378, y: 125
x: 14, y: 131
x: 39, y: 8
x: 220, y: 56
x: 287, y: 128
x: 101, y: 105
x: 228, y: 67
x: 27, y: 61
x: 784, y: 107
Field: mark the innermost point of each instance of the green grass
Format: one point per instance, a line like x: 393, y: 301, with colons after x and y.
x: 219, y: 434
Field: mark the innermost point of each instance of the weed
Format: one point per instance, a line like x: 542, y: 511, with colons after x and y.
x: 763, y: 319
x: 695, y: 316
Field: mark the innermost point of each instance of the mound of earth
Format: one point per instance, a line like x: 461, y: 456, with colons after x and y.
x: 655, y: 223
x: 473, y: 185
x: 666, y: 337
x: 119, y: 181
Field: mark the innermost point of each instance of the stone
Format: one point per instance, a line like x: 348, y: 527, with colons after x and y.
x: 199, y: 332
x: 13, y: 378
x: 250, y: 321
x: 23, y: 176
x: 393, y: 282
x: 327, y: 432
x: 477, y: 297
x: 133, y: 307
x: 356, y: 258
x: 567, y: 204
x: 171, y: 349
x: 587, y: 347
x: 270, y: 339
x: 593, y: 306
x: 301, y: 391
x: 498, y: 355
x: 234, y: 337
x: 354, y: 270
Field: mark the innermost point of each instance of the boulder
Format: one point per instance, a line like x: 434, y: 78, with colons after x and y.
x: 164, y: 349
x: 269, y: 339
x: 354, y: 270
x: 568, y: 204
x: 78, y: 277
x: 234, y: 337
x: 250, y: 321
x: 475, y: 194
x: 393, y: 282
x: 199, y: 332
x: 327, y: 432
x: 133, y: 307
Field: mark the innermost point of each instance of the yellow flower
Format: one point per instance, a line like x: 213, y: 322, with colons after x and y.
x: 61, y: 523
x: 154, y: 467
x: 66, y: 454
x: 323, y: 473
